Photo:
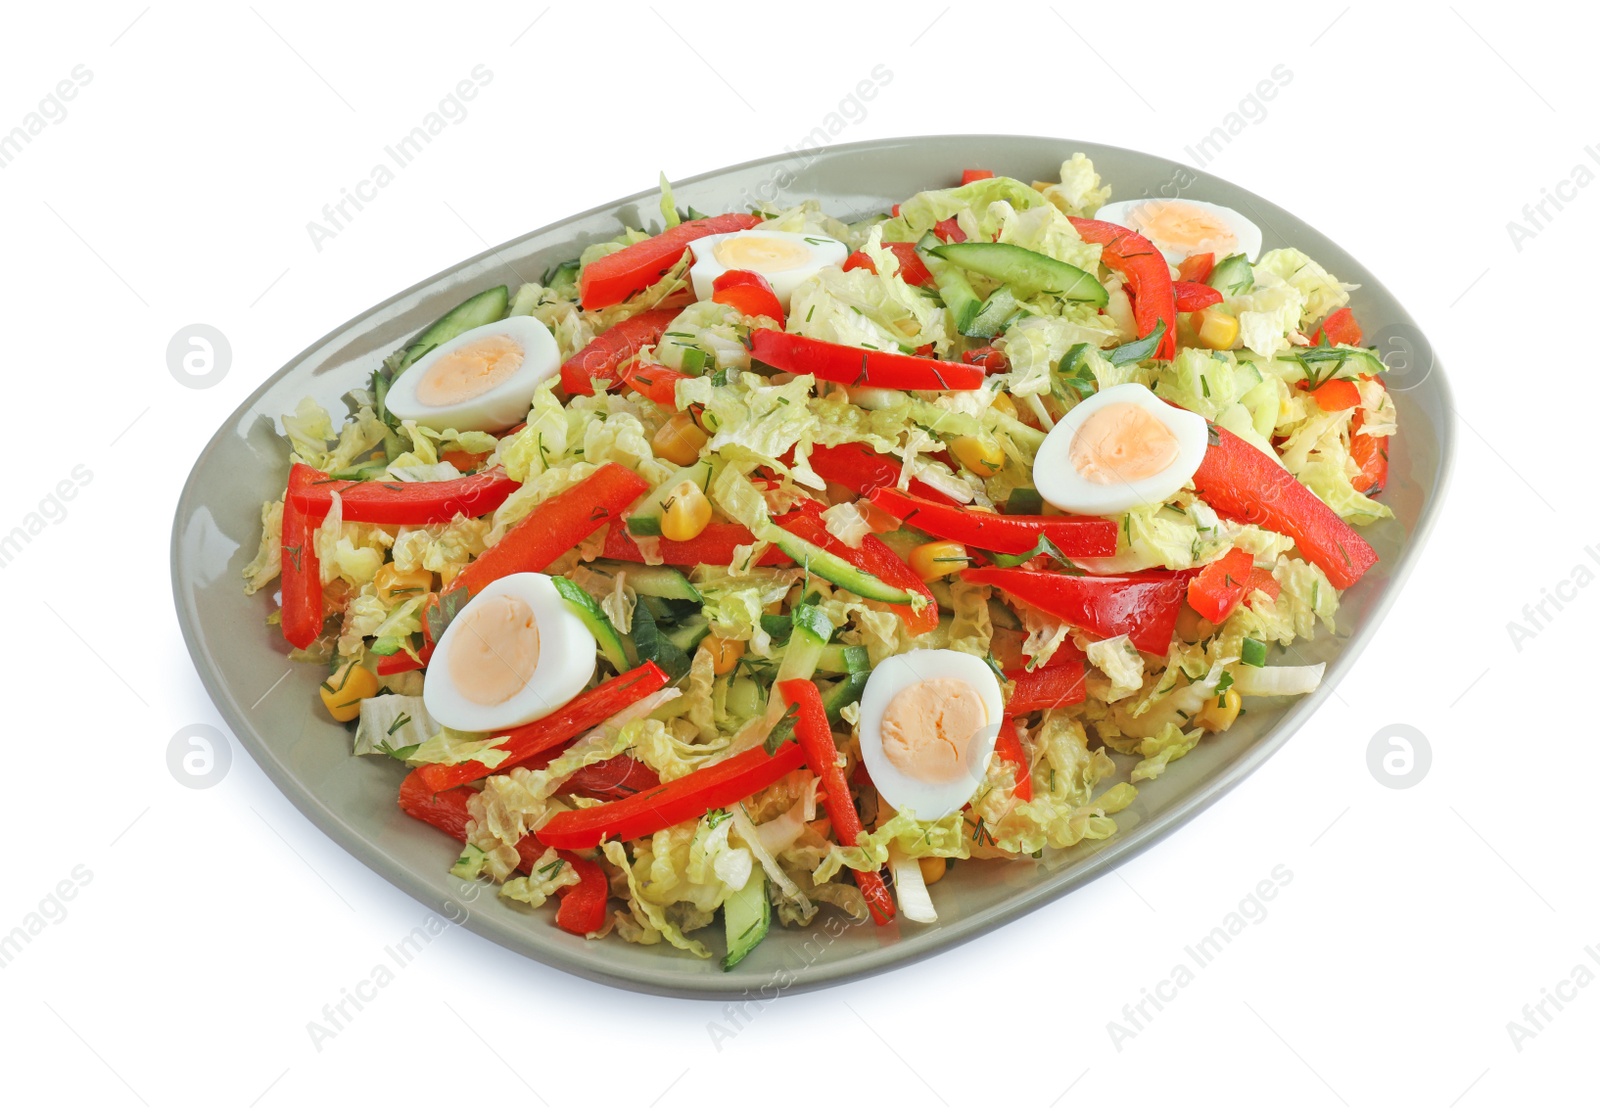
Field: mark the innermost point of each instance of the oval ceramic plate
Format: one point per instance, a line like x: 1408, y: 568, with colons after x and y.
x: 217, y: 530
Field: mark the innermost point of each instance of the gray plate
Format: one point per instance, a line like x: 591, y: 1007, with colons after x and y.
x: 353, y: 800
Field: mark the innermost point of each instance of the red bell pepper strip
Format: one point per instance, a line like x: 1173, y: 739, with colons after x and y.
x: 555, y: 526
x: 1261, y: 580
x: 528, y: 742
x: 410, y: 504
x: 616, y: 277
x: 1008, y: 747
x: 1241, y: 482
x: 970, y: 176
x: 447, y: 812
x: 912, y: 269
x: 873, y: 557
x: 713, y: 546
x: 656, y: 383
x: 1371, y: 455
x: 611, y: 780
x: 1144, y: 606
x: 301, y: 617
x: 583, y: 904
x: 1191, y: 296
x: 720, y: 785
x: 860, y: 367
x: 403, y: 661
x: 1149, y: 280
x: 1057, y: 685
x: 854, y: 465
x: 1336, y: 394
x: 815, y: 737
x: 749, y: 293
x: 1197, y: 268
x: 990, y: 359
x: 949, y: 230
x: 463, y: 460
x: 599, y: 358
x: 1221, y: 586
x: 1074, y: 535
x: 1339, y: 328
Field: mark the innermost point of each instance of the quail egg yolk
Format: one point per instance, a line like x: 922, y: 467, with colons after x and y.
x: 929, y: 729
x: 760, y: 254
x: 1183, y: 227
x: 496, y: 651
x: 1122, y: 443
x: 471, y: 370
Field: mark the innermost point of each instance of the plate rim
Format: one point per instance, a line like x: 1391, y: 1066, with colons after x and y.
x: 712, y: 983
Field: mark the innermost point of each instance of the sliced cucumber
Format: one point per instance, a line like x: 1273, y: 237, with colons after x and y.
x: 844, y: 693
x: 645, y: 520
x: 835, y: 570
x: 836, y: 657
x: 688, y: 634
x: 746, y: 915
x: 807, y: 642
x: 1232, y: 276
x: 954, y: 289
x: 480, y: 309
x: 583, y: 605
x: 661, y: 581
x: 562, y: 274
x: 746, y: 699
x: 1026, y: 272
x: 997, y: 310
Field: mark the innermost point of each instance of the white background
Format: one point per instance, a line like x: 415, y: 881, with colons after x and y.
x: 218, y: 923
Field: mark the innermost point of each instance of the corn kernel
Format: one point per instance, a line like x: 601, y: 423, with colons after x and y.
x: 395, y: 586
x: 685, y: 513
x: 1218, y: 714
x: 980, y: 454
x: 679, y: 440
x: 725, y: 653
x: 1218, y: 330
x: 343, y: 692
x: 932, y: 869
x: 933, y: 560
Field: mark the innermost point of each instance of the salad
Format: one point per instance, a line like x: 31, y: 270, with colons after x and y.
x: 769, y: 561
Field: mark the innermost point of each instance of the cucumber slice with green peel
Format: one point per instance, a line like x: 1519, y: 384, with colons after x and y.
x: 687, y: 635
x: 746, y: 698
x: 645, y: 519
x: 661, y: 581
x: 954, y: 289
x: 1026, y: 272
x: 844, y: 693
x: 746, y: 916
x: 835, y: 570
x: 807, y: 642
x: 1232, y: 276
x: 836, y: 657
x: 480, y: 309
x: 562, y: 274
x: 596, y: 622
x: 996, y: 312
